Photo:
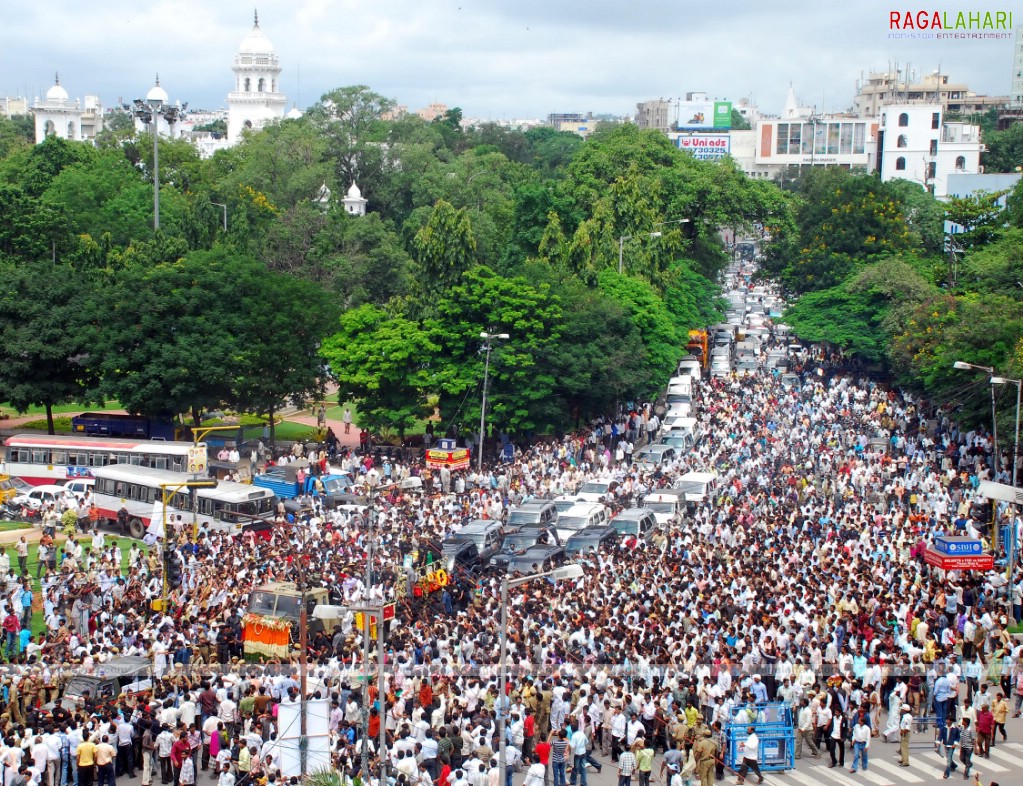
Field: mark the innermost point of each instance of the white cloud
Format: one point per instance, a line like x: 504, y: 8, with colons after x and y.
x: 497, y: 58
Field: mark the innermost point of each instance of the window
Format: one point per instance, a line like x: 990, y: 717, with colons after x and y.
x: 261, y: 85
x: 900, y: 164
x: 247, y: 84
x: 936, y: 120
x: 884, y: 119
x: 901, y: 141
x: 60, y: 456
x: 932, y: 170
x: 960, y: 163
x: 934, y: 147
x: 859, y: 135
x: 782, y: 146
x: 845, y: 141
x: 40, y: 457
x: 903, y: 120
x: 834, y: 130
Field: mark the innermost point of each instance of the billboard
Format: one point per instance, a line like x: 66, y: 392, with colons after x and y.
x: 704, y: 115
x: 706, y: 147
x: 967, y: 562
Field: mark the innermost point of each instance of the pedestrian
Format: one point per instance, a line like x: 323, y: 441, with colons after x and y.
x: 967, y: 742
x: 751, y: 756
x: 861, y: 744
x: 626, y: 766
x: 905, y: 729
x: 346, y: 418
x: 949, y: 738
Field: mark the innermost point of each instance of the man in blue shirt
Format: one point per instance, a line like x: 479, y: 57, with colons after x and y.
x: 942, y: 692
x: 26, y: 605
x: 759, y: 690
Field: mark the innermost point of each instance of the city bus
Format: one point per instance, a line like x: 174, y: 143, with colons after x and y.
x: 41, y: 458
x: 230, y: 507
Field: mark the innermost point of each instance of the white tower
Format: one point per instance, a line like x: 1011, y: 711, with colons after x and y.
x: 355, y: 203
x: 255, y: 100
x: 1016, y: 97
x: 57, y: 115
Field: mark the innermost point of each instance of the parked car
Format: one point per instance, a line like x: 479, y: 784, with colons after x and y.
x: 635, y: 522
x: 653, y: 457
x: 40, y: 497
x: 529, y: 536
x: 80, y: 486
x: 581, y: 516
x: 538, y: 559
x: 531, y: 513
x: 593, y: 491
x: 591, y: 539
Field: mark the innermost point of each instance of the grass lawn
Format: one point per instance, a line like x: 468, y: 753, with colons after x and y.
x: 287, y: 430
x: 12, y: 526
x: 58, y: 409
x: 59, y: 424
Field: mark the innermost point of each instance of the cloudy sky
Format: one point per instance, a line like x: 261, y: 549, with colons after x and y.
x: 494, y: 58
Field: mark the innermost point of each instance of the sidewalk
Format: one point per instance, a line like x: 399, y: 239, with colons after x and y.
x: 350, y: 440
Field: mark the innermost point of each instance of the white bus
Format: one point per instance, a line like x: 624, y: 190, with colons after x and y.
x: 41, y: 458
x: 230, y: 507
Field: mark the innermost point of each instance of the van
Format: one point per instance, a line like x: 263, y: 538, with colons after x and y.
x: 283, y: 600
x: 108, y: 682
x: 41, y: 497
x: 581, y: 516
x: 680, y: 385
x: 667, y: 505
x: 486, y: 534
x: 534, y: 513
x: 635, y: 522
x: 697, y: 486
x: 689, y: 366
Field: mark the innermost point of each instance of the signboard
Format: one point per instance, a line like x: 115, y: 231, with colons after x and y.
x: 452, y: 459
x: 706, y: 147
x: 388, y: 612
x: 967, y: 562
x: 1000, y: 491
x: 958, y: 546
x: 704, y: 115
x: 197, y: 459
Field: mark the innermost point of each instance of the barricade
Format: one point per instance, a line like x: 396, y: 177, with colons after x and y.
x: 773, y: 725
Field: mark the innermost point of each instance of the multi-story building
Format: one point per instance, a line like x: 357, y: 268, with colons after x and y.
x: 890, y: 87
x: 658, y: 115
x: 573, y: 122
x: 1016, y: 91
x: 256, y: 99
x: 13, y: 106
x: 915, y: 142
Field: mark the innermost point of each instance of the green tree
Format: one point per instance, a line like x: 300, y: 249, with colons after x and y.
x: 663, y: 340
x: 180, y: 347
x: 284, y: 320
x: 1004, y: 149
x: 381, y: 361
x: 444, y: 249
x: 980, y: 216
x: 348, y: 118
x: 16, y: 133
x: 739, y: 123
x: 521, y: 382
x: 118, y: 128
x: 48, y: 354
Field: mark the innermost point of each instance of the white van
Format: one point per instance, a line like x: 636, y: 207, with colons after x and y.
x: 697, y: 486
x: 581, y: 516
x: 80, y: 487
x: 667, y: 506
x: 689, y: 366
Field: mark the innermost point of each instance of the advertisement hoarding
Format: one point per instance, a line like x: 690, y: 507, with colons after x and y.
x: 970, y: 562
x: 706, y: 147
x: 704, y: 115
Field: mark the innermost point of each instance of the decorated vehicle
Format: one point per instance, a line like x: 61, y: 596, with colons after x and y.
x: 270, y: 623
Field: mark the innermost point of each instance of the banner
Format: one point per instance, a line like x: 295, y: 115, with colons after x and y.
x: 452, y: 459
x: 946, y: 562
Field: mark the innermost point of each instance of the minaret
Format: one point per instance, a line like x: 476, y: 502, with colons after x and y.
x: 256, y: 99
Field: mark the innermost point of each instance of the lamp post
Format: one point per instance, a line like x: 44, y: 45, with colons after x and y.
x: 487, y: 337
x: 565, y: 573
x: 149, y: 110
x: 962, y: 365
x: 655, y: 233
x: 224, y: 208
x: 1011, y: 553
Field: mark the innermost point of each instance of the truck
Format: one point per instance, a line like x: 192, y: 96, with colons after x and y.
x: 284, y: 482
x: 698, y: 346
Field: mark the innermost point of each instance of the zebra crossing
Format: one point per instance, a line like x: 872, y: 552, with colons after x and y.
x: 925, y: 766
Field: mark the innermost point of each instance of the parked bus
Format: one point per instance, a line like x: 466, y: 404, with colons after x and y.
x: 230, y: 507
x: 40, y: 458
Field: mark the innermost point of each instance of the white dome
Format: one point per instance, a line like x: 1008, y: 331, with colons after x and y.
x: 255, y: 43
x: 56, y: 93
x: 294, y: 113
x: 354, y: 192
x: 156, y: 95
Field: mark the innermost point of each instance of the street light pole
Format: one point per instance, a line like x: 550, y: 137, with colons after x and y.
x: 149, y: 111
x: 964, y: 366
x: 486, y: 378
x: 564, y: 573
x: 224, y: 208
x: 1010, y: 568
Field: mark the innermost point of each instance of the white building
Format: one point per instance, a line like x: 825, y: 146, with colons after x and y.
x: 355, y: 203
x: 256, y: 100
x: 915, y: 143
x: 57, y: 115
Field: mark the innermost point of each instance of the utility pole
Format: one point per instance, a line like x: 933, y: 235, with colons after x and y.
x: 303, y: 663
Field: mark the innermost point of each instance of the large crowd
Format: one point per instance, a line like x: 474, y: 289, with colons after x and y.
x: 800, y: 580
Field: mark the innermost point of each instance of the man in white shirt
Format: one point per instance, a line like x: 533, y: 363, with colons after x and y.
x: 750, y: 756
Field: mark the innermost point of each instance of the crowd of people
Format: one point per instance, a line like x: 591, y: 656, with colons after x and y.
x: 800, y: 580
